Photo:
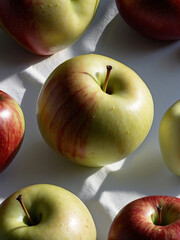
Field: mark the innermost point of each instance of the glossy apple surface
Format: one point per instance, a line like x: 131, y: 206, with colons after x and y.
x: 169, y: 138
x: 86, y: 124
x: 46, y: 26
x: 12, y: 127
x: 156, y: 19
x: 56, y: 213
x: 148, y: 218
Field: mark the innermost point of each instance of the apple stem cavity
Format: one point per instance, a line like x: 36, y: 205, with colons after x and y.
x: 109, y: 68
x: 19, y: 198
x: 159, y: 209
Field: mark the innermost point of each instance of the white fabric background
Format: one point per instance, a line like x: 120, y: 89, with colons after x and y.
x: 104, y: 190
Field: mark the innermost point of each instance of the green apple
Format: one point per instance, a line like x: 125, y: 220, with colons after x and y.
x: 46, y: 26
x: 169, y: 138
x: 55, y: 214
x: 94, y: 110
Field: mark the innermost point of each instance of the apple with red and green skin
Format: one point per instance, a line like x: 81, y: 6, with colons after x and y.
x: 94, y: 110
x: 45, y: 27
x: 155, y: 19
x: 12, y: 127
x: 169, y: 137
x: 45, y: 212
x: 148, y: 218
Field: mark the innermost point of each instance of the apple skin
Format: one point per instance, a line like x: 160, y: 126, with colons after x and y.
x: 87, y: 125
x: 58, y: 214
x: 12, y: 128
x: 45, y: 27
x: 138, y: 220
x: 155, y: 19
x: 169, y: 138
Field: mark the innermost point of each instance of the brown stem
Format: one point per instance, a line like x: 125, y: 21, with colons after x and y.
x: 19, y: 198
x: 159, y: 209
x: 109, y: 68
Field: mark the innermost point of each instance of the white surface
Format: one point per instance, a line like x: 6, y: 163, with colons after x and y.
x: 104, y: 190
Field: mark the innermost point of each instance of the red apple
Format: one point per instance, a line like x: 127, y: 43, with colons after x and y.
x: 12, y: 126
x: 157, y: 19
x: 148, y: 218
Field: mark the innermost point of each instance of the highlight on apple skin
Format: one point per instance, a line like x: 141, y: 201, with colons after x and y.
x: 12, y: 127
x: 155, y: 19
x: 148, y: 218
x: 55, y: 214
x: 169, y: 138
x: 92, y: 121
x: 45, y: 27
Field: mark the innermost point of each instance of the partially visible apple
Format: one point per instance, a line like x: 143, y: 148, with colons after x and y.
x: 12, y: 127
x: 156, y: 19
x: 46, y: 26
x: 169, y: 138
x: 148, y: 218
x: 47, y: 212
x: 94, y: 110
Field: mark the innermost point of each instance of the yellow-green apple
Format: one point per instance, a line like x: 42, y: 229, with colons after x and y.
x: 45, y: 212
x: 169, y: 138
x: 156, y: 19
x: 148, y: 218
x: 94, y: 110
x: 46, y: 26
x: 12, y: 127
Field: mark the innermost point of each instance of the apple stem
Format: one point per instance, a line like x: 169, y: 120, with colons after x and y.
x: 19, y: 198
x: 159, y: 209
x: 109, y: 68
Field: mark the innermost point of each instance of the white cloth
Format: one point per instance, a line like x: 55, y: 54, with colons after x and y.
x: 104, y: 190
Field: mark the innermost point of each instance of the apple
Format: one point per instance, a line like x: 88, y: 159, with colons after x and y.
x: 94, y: 110
x: 46, y: 26
x: 169, y: 138
x: 45, y: 212
x: 148, y: 218
x: 156, y: 19
x: 12, y: 127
